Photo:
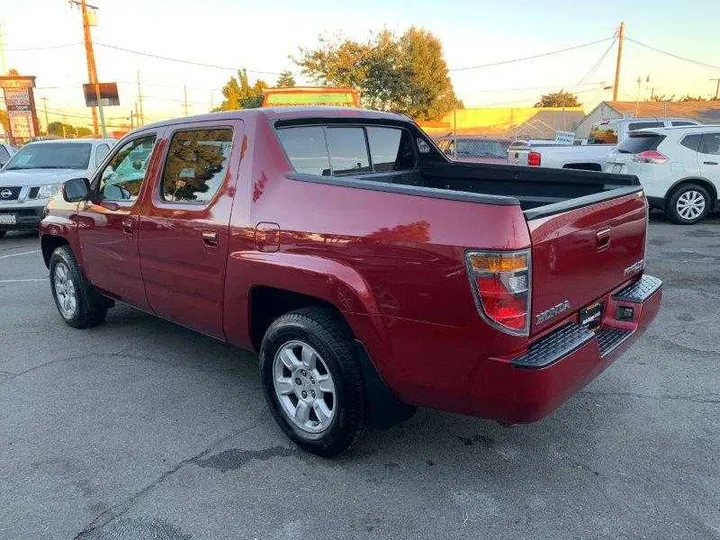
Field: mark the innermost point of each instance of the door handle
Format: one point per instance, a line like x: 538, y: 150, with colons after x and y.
x: 710, y: 162
x: 602, y: 239
x: 210, y: 238
x: 127, y: 226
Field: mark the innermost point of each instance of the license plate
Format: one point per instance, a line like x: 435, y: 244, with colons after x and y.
x: 591, y: 315
x: 7, y: 219
x: 617, y: 167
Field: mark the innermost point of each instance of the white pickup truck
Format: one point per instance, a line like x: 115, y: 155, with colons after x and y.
x: 591, y: 156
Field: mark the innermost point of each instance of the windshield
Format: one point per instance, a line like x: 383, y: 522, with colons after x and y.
x: 51, y: 156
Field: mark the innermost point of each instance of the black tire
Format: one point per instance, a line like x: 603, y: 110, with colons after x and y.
x: 327, y: 334
x: 2, y: 233
x: 91, y: 306
x: 686, y: 190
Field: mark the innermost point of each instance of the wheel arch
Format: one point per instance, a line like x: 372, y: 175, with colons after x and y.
x: 704, y: 182
x: 49, y: 243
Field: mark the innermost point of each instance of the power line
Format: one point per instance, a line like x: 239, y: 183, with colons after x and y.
x: 520, y: 89
x: 534, y: 56
x: 677, y: 56
x: 181, y: 61
x: 44, y: 47
x: 597, y: 64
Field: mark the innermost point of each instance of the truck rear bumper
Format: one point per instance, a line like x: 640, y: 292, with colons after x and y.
x: 528, y: 387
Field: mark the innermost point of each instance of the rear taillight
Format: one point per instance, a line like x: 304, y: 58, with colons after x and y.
x: 501, y: 284
x: 650, y: 156
x: 534, y: 159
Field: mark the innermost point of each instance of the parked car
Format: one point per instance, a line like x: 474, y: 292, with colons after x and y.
x: 679, y: 167
x: 370, y: 272
x: 35, y: 173
x: 604, y: 136
x: 475, y: 149
x: 5, y: 152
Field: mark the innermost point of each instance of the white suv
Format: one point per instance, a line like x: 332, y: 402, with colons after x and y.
x: 679, y: 167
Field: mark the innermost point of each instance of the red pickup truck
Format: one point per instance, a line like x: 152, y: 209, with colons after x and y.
x: 371, y: 273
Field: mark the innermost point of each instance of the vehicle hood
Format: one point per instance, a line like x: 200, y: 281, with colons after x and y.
x: 39, y: 177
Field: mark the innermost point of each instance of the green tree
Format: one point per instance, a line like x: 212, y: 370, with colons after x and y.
x: 4, y: 121
x: 406, y: 73
x: 83, y: 132
x: 558, y: 99
x: 56, y: 128
x: 285, y: 80
x: 239, y: 94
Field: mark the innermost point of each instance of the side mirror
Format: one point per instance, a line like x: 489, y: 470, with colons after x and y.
x: 76, y: 189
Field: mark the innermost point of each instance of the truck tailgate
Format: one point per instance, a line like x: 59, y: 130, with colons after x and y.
x: 583, y: 253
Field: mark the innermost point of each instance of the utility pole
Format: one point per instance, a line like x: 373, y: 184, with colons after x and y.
x: 3, y: 65
x: 717, y: 88
x: 91, y: 66
x: 139, y: 104
x: 132, y: 118
x: 47, y: 121
x: 621, y: 38
x: 185, y: 103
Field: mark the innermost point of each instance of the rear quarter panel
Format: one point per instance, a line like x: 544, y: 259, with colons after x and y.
x: 392, y: 263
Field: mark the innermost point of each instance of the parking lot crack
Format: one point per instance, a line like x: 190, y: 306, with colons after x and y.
x: 665, y: 397
x: 123, y: 507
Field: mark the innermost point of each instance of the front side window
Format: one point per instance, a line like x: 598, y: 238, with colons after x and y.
x: 710, y: 144
x: 4, y: 154
x: 122, y: 178
x: 391, y: 149
x: 196, y: 165
x: 51, y: 156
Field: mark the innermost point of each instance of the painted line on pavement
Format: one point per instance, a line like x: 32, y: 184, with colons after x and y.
x: 19, y: 254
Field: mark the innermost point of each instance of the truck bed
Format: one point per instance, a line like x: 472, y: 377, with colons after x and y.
x: 539, y: 192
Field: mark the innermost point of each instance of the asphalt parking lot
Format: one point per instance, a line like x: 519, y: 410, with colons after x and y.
x: 140, y: 429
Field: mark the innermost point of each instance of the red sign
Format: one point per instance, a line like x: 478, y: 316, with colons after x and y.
x: 20, y: 104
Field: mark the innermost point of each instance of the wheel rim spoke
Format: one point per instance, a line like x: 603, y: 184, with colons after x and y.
x: 308, y: 358
x: 302, y: 412
x: 321, y: 411
x: 326, y: 384
x: 289, y: 359
x: 284, y: 386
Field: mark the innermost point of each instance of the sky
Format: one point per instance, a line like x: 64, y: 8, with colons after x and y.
x: 263, y: 35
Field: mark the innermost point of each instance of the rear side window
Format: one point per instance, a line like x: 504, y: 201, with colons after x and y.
x: 342, y: 151
x: 683, y: 123
x: 196, y: 165
x: 307, y: 150
x: 642, y: 125
x: 710, y: 144
x: 391, y: 149
x: 637, y: 143
x: 348, y: 151
x: 692, y: 142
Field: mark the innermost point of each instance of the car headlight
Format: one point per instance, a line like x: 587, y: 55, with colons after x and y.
x: 48, y: 191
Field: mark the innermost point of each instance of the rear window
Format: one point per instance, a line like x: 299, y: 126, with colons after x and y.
x: 642, y: 125
x: 640, y: 142
x: 603, y: 134
x: 342, y: 151
x: 307, y: 150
